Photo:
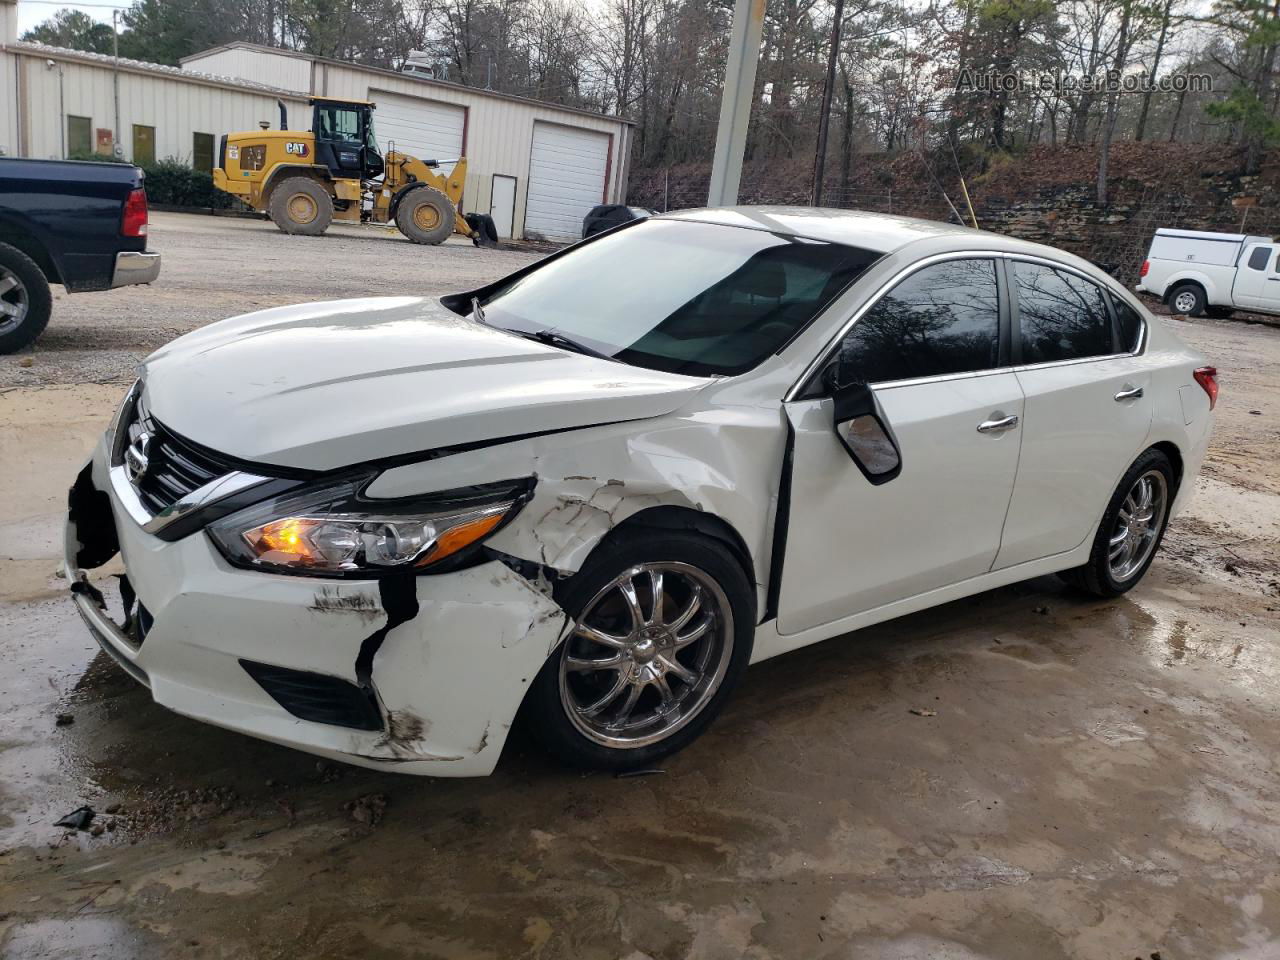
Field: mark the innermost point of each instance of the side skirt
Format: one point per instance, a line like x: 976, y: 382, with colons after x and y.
x: 771, y: 643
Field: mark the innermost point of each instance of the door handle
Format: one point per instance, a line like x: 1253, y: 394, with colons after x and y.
x: 1129, y: 393
x: 998, y: 426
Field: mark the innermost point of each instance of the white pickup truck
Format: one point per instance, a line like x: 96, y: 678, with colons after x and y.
x: 1198, y: 272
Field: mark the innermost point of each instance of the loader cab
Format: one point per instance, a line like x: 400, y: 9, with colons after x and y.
x: 345, y: 143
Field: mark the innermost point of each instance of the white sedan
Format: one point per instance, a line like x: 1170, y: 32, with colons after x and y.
x: 585, y: 497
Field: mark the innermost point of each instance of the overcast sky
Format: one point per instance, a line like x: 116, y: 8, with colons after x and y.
x: 32, y: 12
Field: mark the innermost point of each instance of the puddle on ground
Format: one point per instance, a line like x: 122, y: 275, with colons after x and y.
x: 1170, y: 638
x: 77, y: 938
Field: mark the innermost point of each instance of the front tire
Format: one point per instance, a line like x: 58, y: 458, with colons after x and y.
x: 1131, y: 529
x: 300, y: 205
x: 663, y: 628
x: 425, y: 215
x: 1189, y: 299
x: 25, y: 299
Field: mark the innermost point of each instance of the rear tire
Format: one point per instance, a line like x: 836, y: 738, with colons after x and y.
x: 1189, y: 299
x: 1110, y: 571
x: 657, y: 707
x: 25, y: 299
x: 425, y: 215
x: 300, y: 205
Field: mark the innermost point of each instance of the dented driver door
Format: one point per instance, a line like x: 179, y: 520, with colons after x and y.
x: 858, y: 539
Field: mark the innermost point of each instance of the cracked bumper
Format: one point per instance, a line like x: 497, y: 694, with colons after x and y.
x: 447, y: 683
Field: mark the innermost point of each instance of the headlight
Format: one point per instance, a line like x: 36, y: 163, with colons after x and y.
x: 334, y: 531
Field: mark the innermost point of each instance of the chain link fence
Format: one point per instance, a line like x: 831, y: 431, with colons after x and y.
x: 1116, y: 236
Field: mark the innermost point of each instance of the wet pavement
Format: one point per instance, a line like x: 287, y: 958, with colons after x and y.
x: 1096, y: 780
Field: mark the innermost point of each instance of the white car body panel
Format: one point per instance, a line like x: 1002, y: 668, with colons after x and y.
x: 325, y: 385
x: 328, y: 386
x: 874, y: 535
x: 1258, y: 289
x: 1218, y: 263
x: 1077, y: 441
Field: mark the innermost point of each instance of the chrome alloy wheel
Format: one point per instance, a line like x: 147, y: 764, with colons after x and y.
x: 648, y: 653
x: 1138, y: 525
x: 1184, y: 302
x: 14, y: 301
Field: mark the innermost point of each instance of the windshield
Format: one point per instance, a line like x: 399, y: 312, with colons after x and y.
x: 681, y: 296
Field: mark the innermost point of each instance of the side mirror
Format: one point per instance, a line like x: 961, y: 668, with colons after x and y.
x: 862, y: 428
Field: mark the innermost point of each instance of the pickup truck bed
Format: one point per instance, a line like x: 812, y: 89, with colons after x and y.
x: 80, y: 224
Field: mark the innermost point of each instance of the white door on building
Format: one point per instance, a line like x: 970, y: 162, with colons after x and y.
x: 426, y: 129
x: 567, y: 170
x: 502, y: 205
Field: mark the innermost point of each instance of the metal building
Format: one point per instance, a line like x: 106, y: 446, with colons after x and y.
x: 535, y: 167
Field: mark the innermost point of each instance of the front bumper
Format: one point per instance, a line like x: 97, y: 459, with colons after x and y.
x: 446, y: 683
x: 134, y: 268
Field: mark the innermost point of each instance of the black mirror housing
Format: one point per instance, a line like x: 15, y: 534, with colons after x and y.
x: 862, y: 428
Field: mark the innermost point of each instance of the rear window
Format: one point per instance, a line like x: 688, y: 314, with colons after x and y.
x: 680, y: 296
x: 1060, y: 316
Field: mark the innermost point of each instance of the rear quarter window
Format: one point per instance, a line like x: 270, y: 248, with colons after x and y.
x: 1129, y: 322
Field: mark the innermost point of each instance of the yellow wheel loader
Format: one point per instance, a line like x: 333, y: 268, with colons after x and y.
x: 304, y: 180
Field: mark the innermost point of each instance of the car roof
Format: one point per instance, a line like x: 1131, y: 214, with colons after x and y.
x: 880, y: 232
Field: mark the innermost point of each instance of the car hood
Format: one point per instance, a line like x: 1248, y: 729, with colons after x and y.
x: 327, y: 385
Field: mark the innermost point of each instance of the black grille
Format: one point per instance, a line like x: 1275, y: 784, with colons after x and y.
x: 317, y: 697
x: 175, y: 467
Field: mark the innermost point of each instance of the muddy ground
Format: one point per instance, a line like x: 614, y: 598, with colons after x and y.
x: 1099, y: 779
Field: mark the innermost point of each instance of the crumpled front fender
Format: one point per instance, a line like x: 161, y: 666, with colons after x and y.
x: 725, y: 462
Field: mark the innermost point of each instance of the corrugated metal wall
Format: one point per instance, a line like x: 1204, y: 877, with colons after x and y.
x: 8, y: 80
x: 174, y: 108
x: 260, y: 66
x: 8, y: 101
x: 499, y: 130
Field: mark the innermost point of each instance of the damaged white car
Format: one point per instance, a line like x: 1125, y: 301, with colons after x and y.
x: 585, y: 497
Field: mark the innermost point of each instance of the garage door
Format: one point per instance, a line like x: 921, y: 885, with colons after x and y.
x: 566, y: 179
x: 426, y: 129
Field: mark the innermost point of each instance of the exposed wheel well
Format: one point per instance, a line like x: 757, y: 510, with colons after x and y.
x: 1176, y: 284
x: 23, y: 241
x: 281, y: 174
x: 1171, y: 451
x: 685, y: 518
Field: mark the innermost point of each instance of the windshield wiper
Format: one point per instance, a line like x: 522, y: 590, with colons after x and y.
x: 477, y: 310
x: 555, y: 339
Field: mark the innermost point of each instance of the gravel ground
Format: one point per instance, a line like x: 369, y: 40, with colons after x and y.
x: 1027, y: 773
x: 216, y: 267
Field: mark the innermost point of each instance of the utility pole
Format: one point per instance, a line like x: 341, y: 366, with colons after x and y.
x: 824, y: 114
x: 735, y: 102
x: 115, y: 80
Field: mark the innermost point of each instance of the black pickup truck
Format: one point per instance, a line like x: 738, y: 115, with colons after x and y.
x: 83, y: 225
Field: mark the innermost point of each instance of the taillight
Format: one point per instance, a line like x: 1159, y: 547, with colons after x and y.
x: 1207, y: 377
x: 134, y: 221
x: 1146, y: 265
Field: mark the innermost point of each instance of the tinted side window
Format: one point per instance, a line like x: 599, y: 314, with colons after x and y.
x: 942, y: 319
x: 1258, y: 258
x: 1061, y: 317
x: 1130, y: 324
